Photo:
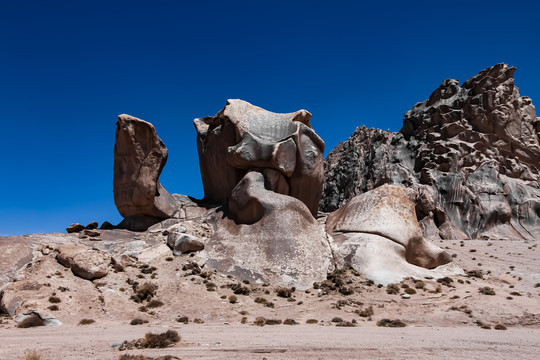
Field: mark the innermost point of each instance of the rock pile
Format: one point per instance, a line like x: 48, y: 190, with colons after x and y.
x: 471, y: 153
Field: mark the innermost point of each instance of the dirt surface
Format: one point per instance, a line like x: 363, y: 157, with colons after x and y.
x: 276, y: 342
x: 444, y: 318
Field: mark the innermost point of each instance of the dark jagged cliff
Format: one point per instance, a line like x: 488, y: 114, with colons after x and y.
x: 472, y: 153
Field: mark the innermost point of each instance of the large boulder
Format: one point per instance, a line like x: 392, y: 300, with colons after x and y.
x: 471, y: 152
x: 242, y: 138
x: 268, y: 237
x: 139, y: 158
x: 377, y: 234
x: 83, y: 261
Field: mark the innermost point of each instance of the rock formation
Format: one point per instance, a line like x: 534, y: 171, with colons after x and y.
x: 277, y: 240
x: 242, y: 138
x: 139, y: 157
x: 471, y: 152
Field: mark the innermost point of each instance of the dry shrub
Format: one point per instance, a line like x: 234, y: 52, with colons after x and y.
x: 337, y: 319
x: 475, y: 273
x: 261, y: 300
x: 54, y: 300
x: 419, y: 284
x: 244, y: 320
x: 260, y: 321
x: 392, y: 289
x: 283, y: 292
x: 486, y: 290
x: 163, y: 340
x: 87, y: 321
x: 31, y: 321
x: 273, y: 322
x: 346, y: 324
x: 53, y: 308
x: 410, y: 291
x: 183, y: 319
x: 198, y: 321
x: 289, y: 322
x: 154, y: 303
x: 238, y: 289
x: 391, y: 323
x: 233, y: 299
x: 138, y: 321
x: 32, y: 355
x: 499, y: 327
x: 312, y: 321
x: 367, y: 312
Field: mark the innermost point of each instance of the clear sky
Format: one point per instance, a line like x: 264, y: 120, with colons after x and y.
x: 68, y: 68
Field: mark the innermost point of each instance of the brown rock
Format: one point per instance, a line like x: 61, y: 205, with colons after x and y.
x: 84, y: 262
x: 93, y: 225
x: 139, y: 158
x: 73, y: 228
x: 183, y: 243
x: 242, y: 137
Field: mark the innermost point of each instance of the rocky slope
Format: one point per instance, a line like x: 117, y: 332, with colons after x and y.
x: 471, y: 152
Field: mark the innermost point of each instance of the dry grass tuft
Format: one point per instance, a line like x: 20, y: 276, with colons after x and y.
x: 87, y: 321
x: 391, y: 323
x: 32, y: 355
x: 31, y: 321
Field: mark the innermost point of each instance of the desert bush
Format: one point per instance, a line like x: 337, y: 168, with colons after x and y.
x: 53, y: 308
x: 259, y: 321
x: 486, y: 290
x: 337, y: 319
x: 346, y: 324
x: 419, y: 284
x: 391, y: 323
x: 54, y: 300
x: 154, y: 303
x: 86, y: 321
x: 198, y: 321
x: 344, y: 290
x: 515, y: 293
x: 273, y: 322
x: 138, y: 321
x: 499, y: 327
x: 144, y: 292
x: 166, y: 339
x: 183, y: 319
x: 486, y: 327
x: 410, y: 291
x: 283, y: 292
x: 244, y: 320
x: 260, y: 300
x: 239, y: 289
x: 312, y: 321
x: 233, y: 299
x: 32, y: 355
x: 367, y: 312
x: 446, y: 281
x: 289, y: 322
x: 392, y: 289
x: 475, y: 273
x: 31, y: 321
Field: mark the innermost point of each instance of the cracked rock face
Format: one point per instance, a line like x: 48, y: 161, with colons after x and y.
x: 471, y: 152
x: 243, y: 138
x: 139, y: 158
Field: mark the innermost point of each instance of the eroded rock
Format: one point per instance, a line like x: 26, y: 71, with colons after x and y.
x: 83, y: 261
x: 139, y: 158
x: 472, y: 153
x: 242, y: 138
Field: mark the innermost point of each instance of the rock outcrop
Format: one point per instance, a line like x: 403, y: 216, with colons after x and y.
x: 242, y: 138
x: 139, y: 158
x: 84, y: 262
x: 471, y: 152
x: 277, y: 240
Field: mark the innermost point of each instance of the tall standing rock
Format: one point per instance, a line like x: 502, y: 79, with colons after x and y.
x: 242, y: 138
x: 139, y: 158
x: 472, y: 153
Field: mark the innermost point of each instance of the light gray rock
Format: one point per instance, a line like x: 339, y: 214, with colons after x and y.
x: 183, y: 243
x: 83, y: 261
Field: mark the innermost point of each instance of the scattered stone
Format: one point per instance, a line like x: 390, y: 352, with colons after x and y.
x: 73, y: 228
x: 93, y: 225
x: 84, y: 262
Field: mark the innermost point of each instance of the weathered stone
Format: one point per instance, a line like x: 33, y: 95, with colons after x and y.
x: 472, y: 153
x: 92, y: 225
x: 388, y: 212
x: 183, y: 243
x: 139, y: 158
x: 286, y: 246
x: 242, y: 138
x: 84, y: 262
x: 106, y: 226
x: 73, y: 228
x: 91, y: 233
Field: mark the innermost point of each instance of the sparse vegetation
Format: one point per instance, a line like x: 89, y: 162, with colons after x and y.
x: 86, y: 321
x: 486, y: 290
x: 367, y: 312
x: 499, y: 327
x: 337, y: 319
x: 150, y: 340
x: 54, y: 300
x: 392, y: 289
x: 154, y: 303
x: 183, y: 319
x: 53, y: 308
x: 283, y: 292
x: 138, y: 321
x: 289, y: 322
x: 31, y: 321
x: 391, y: 323
x: 312, y: 321
x: 32, y: 355
x: 233, y: 299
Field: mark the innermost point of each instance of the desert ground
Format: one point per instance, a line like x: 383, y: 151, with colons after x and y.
x: 337, y: 319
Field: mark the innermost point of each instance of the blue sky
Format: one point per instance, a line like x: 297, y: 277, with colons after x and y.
x: 68, y: 68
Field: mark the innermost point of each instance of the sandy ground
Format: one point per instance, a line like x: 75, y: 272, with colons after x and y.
x: 443, y: 319
x: 278, y: 342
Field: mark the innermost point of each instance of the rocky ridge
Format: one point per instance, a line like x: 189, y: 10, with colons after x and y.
x: 471, y: 153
